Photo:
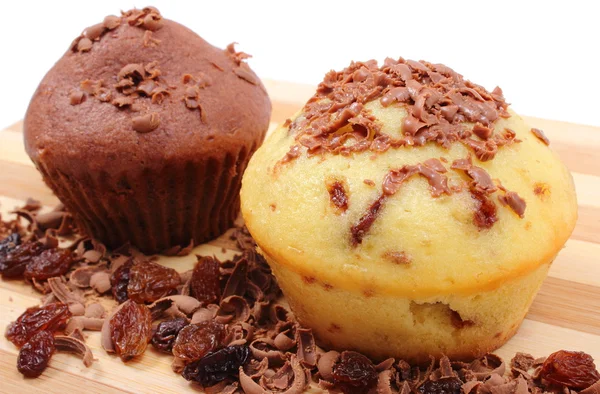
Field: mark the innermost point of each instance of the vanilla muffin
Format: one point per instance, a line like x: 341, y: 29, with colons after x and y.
x: 407, y: 212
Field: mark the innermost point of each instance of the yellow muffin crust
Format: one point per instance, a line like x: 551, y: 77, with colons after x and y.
x: 461, y: 327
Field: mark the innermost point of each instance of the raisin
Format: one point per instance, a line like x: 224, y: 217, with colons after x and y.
x: 217, y: 366
x: 354, y: 373
x: 48, y: 264
x: 13, y: 264
x: 131, y: 330
x: 119, y: 281
x: 196, y: 340
x: 9, y: 244
x: 51, y: 317
x: 575, y: 370
x: 35, y: 354
x: 166, y: 332
x: 441, y: 386
x: 205, y: 285
x: 149, y: 281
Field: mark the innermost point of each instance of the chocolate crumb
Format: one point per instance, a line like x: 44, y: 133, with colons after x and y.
x: 146, y: 123
x: 94, y: 32
x: 400, y: 258
x: 76, y: 97
x: 150, y: 41
x: 103, y: 94
x: 338, y: 196
x: 540, y: 135
x: 485, y: 211
x: 111, y: 22
x: 84, y: 45
x: 541, y: 189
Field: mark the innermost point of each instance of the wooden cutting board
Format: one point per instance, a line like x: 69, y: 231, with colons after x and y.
x: 565, y: 314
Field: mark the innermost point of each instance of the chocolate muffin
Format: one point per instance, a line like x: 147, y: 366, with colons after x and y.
x: 143, y: 130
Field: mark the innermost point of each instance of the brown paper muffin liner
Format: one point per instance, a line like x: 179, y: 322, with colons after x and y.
x: 155, y: 210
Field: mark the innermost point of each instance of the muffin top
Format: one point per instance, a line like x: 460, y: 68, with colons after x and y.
x: 408, y: 179
x: 136, y: 90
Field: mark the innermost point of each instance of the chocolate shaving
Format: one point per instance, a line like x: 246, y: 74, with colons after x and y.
x: 83, y: 44
x: 515, y: 202
x: 238, y: 57
x: 94, y: 32
x: 360, y: 229
x: 307, y: 351
x: 236, y: 283
x: 159, y: 95
x: 540, y: 135
x: 283, y: 341
x: 100, y: 281
x: 84, y: 323
x: 111, y: 22
x: 244, y: 72
x: 146, y: 123
x: 179, y: 250
x: 148, y: 18
x: 233, y: 309
x: 481, y: 187
x: 133, y: 72
x: 186, y: 304
x: 325, y: 364
x: 76, y: 97
x: 95, y: 310
x: 81, y: 277
x: 205, y: 314
x: 63, y: 293
x: 297, y: 386
x: 240, y: 333
x: 482, y: 182
x: 51, y: 219
x: 76, y: 346
x: 265, y: 348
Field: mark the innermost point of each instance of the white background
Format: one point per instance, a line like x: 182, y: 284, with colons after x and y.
x: 544, y: 55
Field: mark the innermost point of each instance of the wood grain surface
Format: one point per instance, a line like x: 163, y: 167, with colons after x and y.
x: 565, y: 314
